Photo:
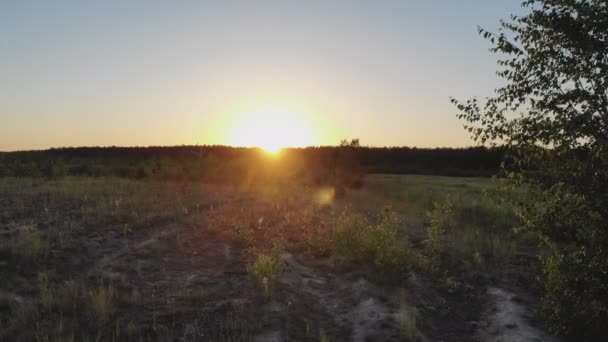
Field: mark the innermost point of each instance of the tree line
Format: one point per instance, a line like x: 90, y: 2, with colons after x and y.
x: 224, y: 163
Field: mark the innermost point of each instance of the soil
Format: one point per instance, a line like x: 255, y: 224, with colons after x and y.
x: 185, y: 281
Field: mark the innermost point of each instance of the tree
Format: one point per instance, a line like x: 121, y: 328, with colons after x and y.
x: 353, y: 143
x: 553, y: 116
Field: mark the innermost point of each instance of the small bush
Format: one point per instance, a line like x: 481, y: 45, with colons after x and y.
x: 22, y: 314
x: 101, y: 300
x: 132, y: 329
x: 267, y: 268
x: 68, y: 296
x: 441, y: 223
x: 356, y: 240
x: 348, y: 236
x: 32, y: 245
x: 316, y: 241
x: 242, y: 234
x: 575, y: 301
x: 45, y: 292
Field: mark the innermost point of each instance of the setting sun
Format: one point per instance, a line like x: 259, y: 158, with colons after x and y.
x: 272, y: 129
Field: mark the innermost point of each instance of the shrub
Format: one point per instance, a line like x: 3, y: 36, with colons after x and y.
x: 243, y: 234
x: 45, y: 292
x: 267, y: 267
x: 407, y: 319
x: 316, y: 241
x: 549, y: 60
x: 32, y: 245
x: 132, y: 329
x: 441, y: 223
x: 348, y: 236
x: 355, y: 239
x: 576, y: 280
x: 22, y: 314
x: 101, y: 300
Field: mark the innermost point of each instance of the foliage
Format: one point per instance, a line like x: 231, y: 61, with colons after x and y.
x: 407, y: 319
x: 553, y: 116
x: 101, y: 301
x: 32, y: 245
x: 242, y: 233
x: 441, y: 222
x: 316, y: 240
x: 354, y: 143
x: 576, y: 285
x: 45, y: 292
x: 268, y: 267
x: 355, y: 239
x: 223, y: 164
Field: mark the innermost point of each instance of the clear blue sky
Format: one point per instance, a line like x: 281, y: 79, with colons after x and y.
x: 81, y: 73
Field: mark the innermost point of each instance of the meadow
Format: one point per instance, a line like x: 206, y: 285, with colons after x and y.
x: 403, y: 258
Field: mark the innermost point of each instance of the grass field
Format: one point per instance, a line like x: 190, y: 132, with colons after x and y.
x: 402, y: 258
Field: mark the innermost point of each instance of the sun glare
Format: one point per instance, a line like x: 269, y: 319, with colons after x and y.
x: 272, y: 129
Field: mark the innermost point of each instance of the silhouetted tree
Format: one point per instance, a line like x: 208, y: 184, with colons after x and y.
x: 553, y: 116
x: 353, y: 143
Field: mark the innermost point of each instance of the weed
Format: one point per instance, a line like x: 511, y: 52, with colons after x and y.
x: 323, y: 337
x: 267, y: 267
x: 356, y: 240
x: 348, y: 236
x: 316, y: 241
x: 441, y: 223
x: 131, y: 329
x: 242, y: 234
x: 101, y: 300
x: 22, y: 313
x: 68, y: 295
x: 33, y: 245
x: 45, y: 292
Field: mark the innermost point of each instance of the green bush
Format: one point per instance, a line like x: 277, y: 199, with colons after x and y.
x: 101, y: 301
x: 355, y: 239
x: 441, y: 223
x: 33, y: 245
x: 242, y: 233
x: 557, y: 146
x: 268, y: 267
x: 46, y: 295
x: 576, y: 280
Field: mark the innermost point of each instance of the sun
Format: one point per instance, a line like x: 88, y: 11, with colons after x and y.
x: 272, y: 129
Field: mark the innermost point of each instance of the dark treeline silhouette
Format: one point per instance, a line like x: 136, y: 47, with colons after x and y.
x: 236, y: 164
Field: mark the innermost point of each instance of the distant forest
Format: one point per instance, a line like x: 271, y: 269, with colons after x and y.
x: 236, y: 164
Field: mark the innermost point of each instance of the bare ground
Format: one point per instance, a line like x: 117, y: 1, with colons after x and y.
x: 184, y: 280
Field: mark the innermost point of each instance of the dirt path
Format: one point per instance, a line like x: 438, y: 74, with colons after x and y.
x: 507, y: 320
x: 356, y: 305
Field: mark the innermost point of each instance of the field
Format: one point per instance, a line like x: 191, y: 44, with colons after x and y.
x: 403, y: 258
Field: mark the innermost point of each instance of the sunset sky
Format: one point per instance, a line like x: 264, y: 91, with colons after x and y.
x: 135, y: 73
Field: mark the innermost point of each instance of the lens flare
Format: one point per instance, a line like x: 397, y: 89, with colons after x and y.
x: 326, y: 195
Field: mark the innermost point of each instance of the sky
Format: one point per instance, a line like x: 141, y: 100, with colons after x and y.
x: 140, y: 73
